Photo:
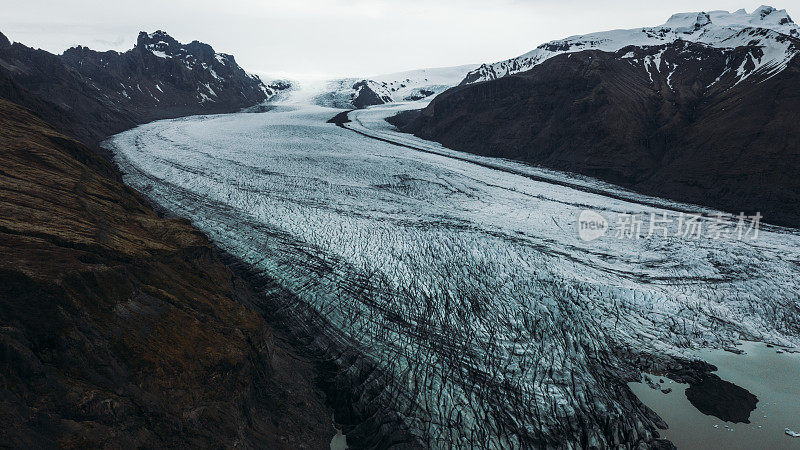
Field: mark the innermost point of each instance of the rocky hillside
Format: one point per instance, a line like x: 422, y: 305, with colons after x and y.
x: 121, y: 328
x: 684, y: 120
x: 91, y: 95
x: 41, y: 82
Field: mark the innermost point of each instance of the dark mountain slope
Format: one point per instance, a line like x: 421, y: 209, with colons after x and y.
x: 120, y: 328
x: 683, y: 120
x: 41, y: 82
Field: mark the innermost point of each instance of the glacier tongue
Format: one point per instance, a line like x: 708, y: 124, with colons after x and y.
x: 465, y: 281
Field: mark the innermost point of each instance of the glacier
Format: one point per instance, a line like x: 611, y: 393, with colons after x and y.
x: 463, y: 278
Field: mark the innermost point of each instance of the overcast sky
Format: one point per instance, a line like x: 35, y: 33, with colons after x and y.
x: 339, y: 37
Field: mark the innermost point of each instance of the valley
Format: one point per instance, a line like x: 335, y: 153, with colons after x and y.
x: 594, y: 244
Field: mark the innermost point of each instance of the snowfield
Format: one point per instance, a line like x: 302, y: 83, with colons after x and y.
x: 396, y: 87
x: 464, y: 278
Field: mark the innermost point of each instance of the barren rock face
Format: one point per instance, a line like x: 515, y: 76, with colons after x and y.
x: 722, y: 399
x: 122, y: 328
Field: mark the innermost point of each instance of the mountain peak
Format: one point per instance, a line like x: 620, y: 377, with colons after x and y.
x: 4, y: 42
x: 161, y: 44
x: 772, y: 16
x: 763, y: 17
x: 703, y: 19
x: 156, y: 40
x: 764, y: 11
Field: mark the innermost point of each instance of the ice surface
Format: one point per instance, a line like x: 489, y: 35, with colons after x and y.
x: 464, y: 277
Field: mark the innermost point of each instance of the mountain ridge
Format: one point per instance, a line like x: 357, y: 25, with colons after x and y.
x: 715, y: 28
x: 91, y: 95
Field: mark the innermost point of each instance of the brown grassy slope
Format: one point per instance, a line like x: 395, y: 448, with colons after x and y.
x: 119, y: 328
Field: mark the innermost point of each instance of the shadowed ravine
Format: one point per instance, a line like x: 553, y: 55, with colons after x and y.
x: 459, y: 297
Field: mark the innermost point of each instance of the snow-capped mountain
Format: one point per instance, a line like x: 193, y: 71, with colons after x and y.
x: 403, y: 86
x: 765, y: 30
x: 694, y: 111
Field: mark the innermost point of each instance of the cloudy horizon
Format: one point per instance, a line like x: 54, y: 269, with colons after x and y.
x: 335, y: 38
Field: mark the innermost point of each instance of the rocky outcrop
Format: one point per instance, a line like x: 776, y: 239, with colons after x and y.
x: 369, y: 93
x: 682, y: 120
x: 722, y: 399
x: 120, y: 328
